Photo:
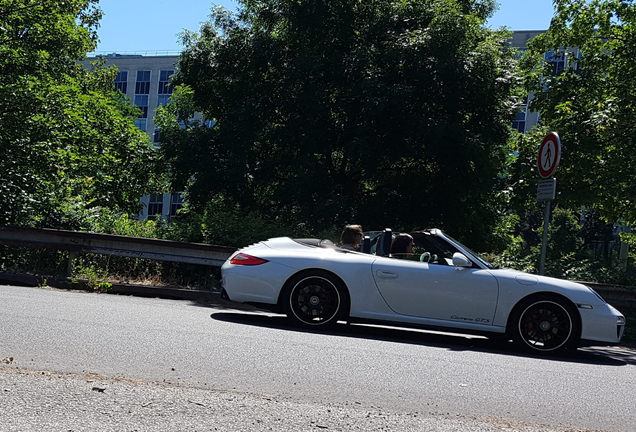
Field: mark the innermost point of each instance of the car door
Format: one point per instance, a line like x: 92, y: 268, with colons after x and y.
x: 437, y: 291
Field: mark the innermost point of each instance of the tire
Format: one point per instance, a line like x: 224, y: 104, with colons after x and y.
x: 546, y: 324
x: 314, y: 300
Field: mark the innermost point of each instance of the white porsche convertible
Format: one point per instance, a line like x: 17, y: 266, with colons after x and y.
x: 444, y: 286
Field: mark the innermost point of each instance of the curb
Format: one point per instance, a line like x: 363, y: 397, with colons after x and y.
x: 205, y: 297
x: 173, y: 293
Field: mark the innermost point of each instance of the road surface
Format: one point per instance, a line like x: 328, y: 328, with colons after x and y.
x: 251, y: 354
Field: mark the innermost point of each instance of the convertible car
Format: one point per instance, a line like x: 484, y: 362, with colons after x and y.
x: 442, y: 286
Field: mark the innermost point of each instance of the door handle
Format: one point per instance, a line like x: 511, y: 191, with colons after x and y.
x: 386, y: 274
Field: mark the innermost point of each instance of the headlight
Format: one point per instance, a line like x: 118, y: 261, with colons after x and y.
x: 620, y: 320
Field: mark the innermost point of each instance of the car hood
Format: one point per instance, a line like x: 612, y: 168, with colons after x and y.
x: 573, y: 290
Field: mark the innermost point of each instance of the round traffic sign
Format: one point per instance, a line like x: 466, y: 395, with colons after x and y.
x: 549, y: 155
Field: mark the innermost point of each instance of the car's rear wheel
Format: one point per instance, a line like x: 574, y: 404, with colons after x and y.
x: 545, y: 324
x: 315, y: 299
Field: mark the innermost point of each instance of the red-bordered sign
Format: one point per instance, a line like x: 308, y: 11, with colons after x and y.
x: 549, y: 155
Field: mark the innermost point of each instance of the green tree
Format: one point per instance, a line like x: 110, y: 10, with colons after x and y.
x: 381, y: 112
x: 68, y: 144
x: 565, y: 255
x: 591, y: 103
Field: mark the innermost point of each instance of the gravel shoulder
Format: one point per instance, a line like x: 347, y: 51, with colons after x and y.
x: 44, y: 401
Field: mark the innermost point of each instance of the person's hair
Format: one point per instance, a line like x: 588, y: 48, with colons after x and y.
x: 350, y: 233
x: 400, y: 243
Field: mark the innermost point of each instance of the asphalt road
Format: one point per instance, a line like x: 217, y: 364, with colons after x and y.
x: 252, y: 353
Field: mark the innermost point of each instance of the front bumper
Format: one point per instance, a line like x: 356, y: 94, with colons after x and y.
x: 602, y: 325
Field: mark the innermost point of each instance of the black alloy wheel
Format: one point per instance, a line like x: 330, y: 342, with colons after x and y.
x: 545, y: 325
x: 314, y: 300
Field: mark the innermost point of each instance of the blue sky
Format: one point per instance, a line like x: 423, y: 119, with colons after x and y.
x: 152, y: 26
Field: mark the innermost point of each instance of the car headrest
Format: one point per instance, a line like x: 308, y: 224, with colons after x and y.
x: 384, y: 244
x: 365, y: 246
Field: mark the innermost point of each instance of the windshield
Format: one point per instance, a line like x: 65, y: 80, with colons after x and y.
x: 474, y: 254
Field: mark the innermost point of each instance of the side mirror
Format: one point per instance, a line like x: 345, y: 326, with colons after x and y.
x: 460, y: 260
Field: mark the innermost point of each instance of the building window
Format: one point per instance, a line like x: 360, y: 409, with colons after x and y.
x: 556, y: 60
x: 176, y: 203
x: 142, y: 89
x: 142, y: 86
x: 163, y: 99
x: 155, y: 206
x: 156, y: 137
x: 142, y: 124
x: 164, y: 82
x: 121, y: 81
x: 520, y: 120
x: 141, y: 102
x: 574, y: 61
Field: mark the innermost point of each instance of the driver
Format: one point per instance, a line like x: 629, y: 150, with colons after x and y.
x: 351, y: 237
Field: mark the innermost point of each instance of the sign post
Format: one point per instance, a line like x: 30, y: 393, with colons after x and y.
x: 548, y: 161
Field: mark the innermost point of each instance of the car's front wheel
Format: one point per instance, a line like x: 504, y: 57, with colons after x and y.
x: 315, y: 299
x: 545, y: 324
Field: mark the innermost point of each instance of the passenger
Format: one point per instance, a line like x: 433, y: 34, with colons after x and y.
x: 402, y: 245
x: 351, y: 237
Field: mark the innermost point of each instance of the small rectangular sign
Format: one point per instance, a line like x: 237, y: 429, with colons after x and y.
x: 546, y: 190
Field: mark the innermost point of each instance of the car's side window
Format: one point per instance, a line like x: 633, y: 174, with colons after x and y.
x: 407, y: 256
x: 431, y: 251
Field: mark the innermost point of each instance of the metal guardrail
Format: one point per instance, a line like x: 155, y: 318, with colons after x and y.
x: 620, y: 296
x: 135, y: 247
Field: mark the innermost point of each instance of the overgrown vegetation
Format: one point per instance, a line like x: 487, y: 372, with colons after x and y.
x: 99, y: 269
x: 581, y: 246
x: 67, y: 139
x: 321, y: 113
x: 95, y: 277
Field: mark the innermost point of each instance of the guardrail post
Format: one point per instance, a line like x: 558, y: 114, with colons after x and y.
x: 71, y: 256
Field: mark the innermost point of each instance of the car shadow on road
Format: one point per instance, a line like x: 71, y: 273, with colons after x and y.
x: 610, y: 356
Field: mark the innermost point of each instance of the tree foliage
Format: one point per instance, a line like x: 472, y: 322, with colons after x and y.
x: 67, y: 142
x: 591, y: 103
x: 387, y: 113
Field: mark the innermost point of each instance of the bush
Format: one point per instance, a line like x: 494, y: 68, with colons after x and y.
x: 28, y: 260
x: 127, y: 225
x: 224, y: 223
x: 569, y: 253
